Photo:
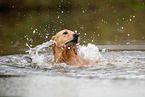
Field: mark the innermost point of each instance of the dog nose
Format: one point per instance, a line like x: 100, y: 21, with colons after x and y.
x: 75, y: 35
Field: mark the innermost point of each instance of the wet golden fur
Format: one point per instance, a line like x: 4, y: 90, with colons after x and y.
x: 67, y: 53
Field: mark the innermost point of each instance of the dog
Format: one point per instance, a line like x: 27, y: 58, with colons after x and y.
x: 64, y: 49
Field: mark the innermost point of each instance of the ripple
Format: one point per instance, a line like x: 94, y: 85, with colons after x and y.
x: 117, y: 65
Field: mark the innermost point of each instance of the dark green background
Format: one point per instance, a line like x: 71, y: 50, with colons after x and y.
x: 101, y: 22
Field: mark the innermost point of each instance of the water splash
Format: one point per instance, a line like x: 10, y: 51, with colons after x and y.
x: 90, y: 51
x: 120, y: 65
x: 37, y: 57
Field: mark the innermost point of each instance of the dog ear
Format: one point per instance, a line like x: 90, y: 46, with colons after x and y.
x: 65, y: 55
x: 75, y: 50
x: 53, y: 45
x: 53, y: 38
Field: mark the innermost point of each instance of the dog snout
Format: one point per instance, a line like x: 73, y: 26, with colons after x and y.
x: 75, y: 35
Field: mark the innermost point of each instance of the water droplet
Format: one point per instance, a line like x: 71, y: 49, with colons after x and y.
x: 68, y: 47
x: 103, y: 50
x: 82, y: 27
x: 27, y: 45
x: 62, y: 48
x: 84, y: 41
x: 128, y: 43
x: 34, y: 32
x: 58, y: 16
x: 46, y: 36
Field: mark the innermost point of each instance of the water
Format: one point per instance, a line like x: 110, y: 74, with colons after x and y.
x: 119, y: 73
x: 51, y: 86
x: 116, y: 27
x: 112, y: 65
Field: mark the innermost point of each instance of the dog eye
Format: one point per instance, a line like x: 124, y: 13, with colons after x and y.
x: 65, y: 33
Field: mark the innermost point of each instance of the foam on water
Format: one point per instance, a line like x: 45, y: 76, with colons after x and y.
x: 90, y: 51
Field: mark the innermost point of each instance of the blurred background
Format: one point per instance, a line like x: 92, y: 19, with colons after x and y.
x: 100, y: 22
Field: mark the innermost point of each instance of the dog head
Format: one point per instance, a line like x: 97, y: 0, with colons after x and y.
x: 66, y: 38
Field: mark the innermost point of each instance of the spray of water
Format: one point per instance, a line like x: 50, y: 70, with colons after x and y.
x: 37, y: 56
x: 88, y: 52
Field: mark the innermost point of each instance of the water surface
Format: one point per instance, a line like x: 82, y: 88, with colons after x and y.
x: 115, y: 27
x: 122, y: 73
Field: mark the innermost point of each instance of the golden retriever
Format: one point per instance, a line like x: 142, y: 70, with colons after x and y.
x: 64, y: 49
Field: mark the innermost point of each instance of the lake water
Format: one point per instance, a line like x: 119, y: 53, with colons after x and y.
x: 112, y: 31
x: 121, y: 74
